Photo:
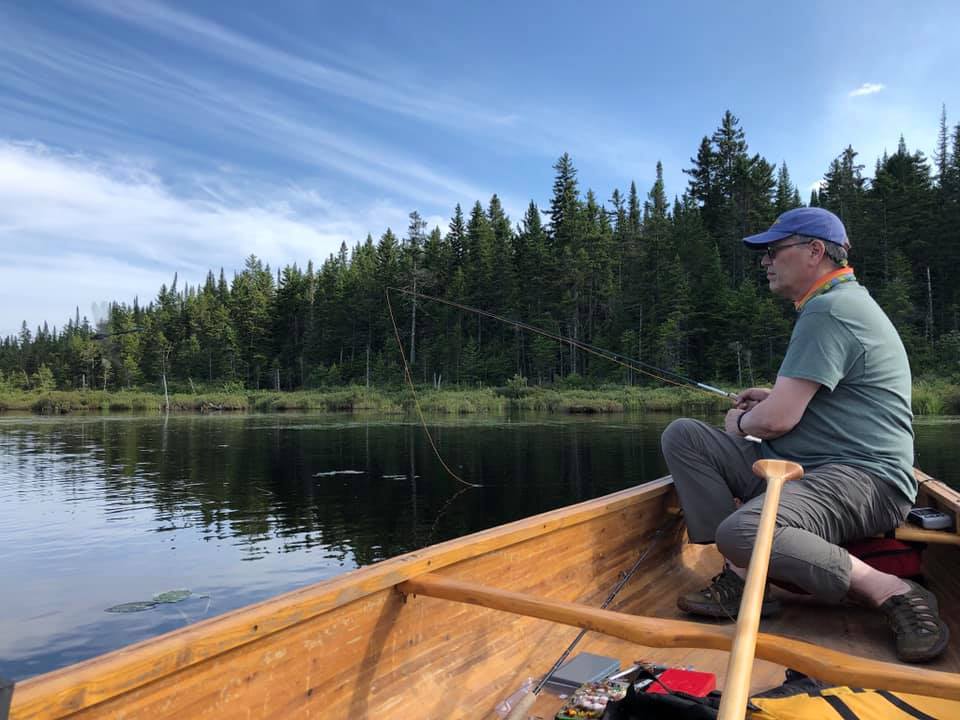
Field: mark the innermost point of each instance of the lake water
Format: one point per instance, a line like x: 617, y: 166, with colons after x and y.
x: 101, y: 511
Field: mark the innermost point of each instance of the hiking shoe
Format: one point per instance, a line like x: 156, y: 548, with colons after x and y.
x: 914, y: 617
x: 721, y: 598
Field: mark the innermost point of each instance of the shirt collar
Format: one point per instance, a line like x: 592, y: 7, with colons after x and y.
x: 825, y: 283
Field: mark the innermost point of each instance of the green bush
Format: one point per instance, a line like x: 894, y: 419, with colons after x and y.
x: 931, y: 396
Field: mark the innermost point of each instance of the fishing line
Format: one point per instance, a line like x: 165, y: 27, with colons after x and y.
x: 639, y: 366
x: 629, y: 363
x: 416, y: 400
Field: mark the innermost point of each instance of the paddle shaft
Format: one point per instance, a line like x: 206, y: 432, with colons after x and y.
x: 736, y: 689
x: 813, y: 660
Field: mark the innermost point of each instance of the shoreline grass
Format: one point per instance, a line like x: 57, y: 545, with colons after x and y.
x: 930, y: 397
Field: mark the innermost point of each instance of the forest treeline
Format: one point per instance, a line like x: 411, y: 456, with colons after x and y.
x: 669, y: 284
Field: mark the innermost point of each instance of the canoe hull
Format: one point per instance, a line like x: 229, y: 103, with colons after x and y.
x: 352, y: 647
x: 355, y: 646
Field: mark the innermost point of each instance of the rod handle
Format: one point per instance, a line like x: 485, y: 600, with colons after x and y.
x: 522, y: 710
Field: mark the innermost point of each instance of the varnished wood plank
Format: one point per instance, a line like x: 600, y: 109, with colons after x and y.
x: 908, y: 533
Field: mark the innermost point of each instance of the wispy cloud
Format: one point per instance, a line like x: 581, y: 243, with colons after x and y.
x: 363, y: 87
x: 867, y: 89
x: 219, y: 90
x: 547, y: 131
x: 224, y: 114
x: 103, y: 228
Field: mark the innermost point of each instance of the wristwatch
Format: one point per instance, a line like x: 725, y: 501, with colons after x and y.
x: 739, y: 420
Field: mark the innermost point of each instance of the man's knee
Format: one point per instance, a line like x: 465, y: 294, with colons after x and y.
x: 735, y: 537
x: 677, y: 436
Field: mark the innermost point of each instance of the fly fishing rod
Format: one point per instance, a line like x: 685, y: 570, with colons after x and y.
x: 667, y: 376
x: 653, y: 371
x: 520, y: 710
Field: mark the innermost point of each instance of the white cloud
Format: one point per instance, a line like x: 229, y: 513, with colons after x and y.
x: 282, y: 127
x: 548, y: 131
x: 76, y: 230
x: 359, y: 86
x: 867, y: 89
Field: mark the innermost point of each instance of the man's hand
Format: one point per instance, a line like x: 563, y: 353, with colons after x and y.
x: 748, y: 399
x: 730, y: 422
x: 772, y: 412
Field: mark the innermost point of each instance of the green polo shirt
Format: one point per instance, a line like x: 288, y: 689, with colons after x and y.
x: 861, y: 415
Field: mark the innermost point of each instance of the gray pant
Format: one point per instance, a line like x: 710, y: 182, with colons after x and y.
x: 830, y: 505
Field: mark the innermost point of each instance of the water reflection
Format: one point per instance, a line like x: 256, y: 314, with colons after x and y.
x: 95, y: 512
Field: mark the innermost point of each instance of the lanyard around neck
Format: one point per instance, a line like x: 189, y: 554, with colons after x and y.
x: 825, y: 284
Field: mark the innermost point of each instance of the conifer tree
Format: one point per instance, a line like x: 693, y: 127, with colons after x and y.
x: 787, y: 197
x: 941, y: 154
x: 457, y: 238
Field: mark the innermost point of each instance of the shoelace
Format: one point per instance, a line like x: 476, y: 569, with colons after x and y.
x: 721, y: 588
x: 913, y: 611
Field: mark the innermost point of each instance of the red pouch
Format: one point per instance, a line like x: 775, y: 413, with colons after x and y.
x: 690, y: 682
x: 889, y: 555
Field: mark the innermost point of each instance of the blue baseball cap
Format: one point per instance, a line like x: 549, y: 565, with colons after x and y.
x: 810, y: 221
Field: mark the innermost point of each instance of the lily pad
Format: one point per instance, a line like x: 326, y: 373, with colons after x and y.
x: 132, y: 607
x: 172, y: 596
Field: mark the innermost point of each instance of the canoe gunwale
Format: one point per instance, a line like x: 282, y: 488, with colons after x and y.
x: 83, y: 685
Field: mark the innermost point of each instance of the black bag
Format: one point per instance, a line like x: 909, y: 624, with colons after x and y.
x: 671, y: 706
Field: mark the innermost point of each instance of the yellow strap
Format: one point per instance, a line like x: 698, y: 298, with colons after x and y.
x: 865, y: 705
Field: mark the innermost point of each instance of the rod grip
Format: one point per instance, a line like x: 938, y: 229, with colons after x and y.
x: 522, y: 710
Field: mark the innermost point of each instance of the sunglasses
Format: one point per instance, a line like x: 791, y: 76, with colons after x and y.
x: 772, y: 251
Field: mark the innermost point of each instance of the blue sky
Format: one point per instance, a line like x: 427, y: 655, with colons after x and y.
x: 143, y: 138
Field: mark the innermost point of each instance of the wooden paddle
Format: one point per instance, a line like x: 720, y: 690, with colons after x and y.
x: 736, y: 690
x: 831, y: 666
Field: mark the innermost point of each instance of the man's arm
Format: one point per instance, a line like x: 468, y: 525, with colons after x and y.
x: 750, y: 397
x: 778, y: 413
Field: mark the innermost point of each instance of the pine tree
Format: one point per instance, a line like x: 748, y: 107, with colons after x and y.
x: 787, y: 197
x: 701, y: 183
x: 457, y: 239
x: 564, y: 204
x: 501, y: 261
x: 478, y: 263
x: 633, y: 211
x: 531, y: 260
x: 941, y: 155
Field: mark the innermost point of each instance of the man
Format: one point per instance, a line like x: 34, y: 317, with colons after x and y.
x: 840, y: 407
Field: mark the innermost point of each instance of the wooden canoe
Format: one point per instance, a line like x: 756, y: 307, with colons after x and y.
x: 451, y: 630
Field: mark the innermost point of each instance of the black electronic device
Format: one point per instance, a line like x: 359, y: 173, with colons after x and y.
x: 930, y: 518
